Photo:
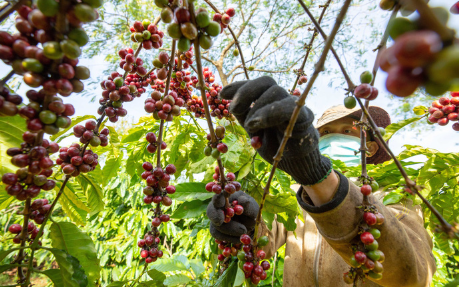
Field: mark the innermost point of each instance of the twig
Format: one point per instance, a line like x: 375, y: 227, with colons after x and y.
x: 8, y: 9
x: 429, y: 19
x: 6, y: 79
x: 317, y: 26
x: 309, y: 46
x: 445, y: 226
x: 202, y: 88
x: 299, y: 104
x: 236, y: 41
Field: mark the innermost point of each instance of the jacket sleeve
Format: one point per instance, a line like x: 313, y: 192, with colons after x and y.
x: 277, y: 237
x: 406, y: 244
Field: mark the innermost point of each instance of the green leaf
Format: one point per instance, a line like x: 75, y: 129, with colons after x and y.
x: 76, y: 120
x: 191, y: 191
x: 169, y: 264
x: 93, y: 192
x: 392, y: 198
x: 75, y: 209
x: 11, y: 132
x: 3, y: 268
x: 244, y: 171
x: 134, y: 135
x: 197, y: 266
x: 5, y: 253
x: 55, y: 275
x: 5, y: 198
x: 157, y: 276
x: 420, y: 110
x: 72, y: 273
x: 190, y: 209
x: 228, y: 277
x: 176, y: 280
x: 111, y: 167
x: 117, y: 283
x: 395, y: 127
x: 240, y: 276
x: 66, y: 236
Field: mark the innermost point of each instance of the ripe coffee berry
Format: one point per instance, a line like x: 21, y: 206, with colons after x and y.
x: 365, y: 189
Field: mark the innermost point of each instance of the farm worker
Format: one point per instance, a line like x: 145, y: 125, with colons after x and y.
x: 318, y: 252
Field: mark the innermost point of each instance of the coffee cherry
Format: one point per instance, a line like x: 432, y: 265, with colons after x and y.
x: 365, y: 189
x: 367, y: 237
x: 147, y: 166
x: 238, y: 209
x: 221, y: 257
x: 15, y: 228
x: 245, y: 239
x: 360, y: 257
x: 265, y: 265
x: 261, y: 254
x: 370, y: 218
x: 256, y: 142
x: 363, y: 91
x: 248, y: 266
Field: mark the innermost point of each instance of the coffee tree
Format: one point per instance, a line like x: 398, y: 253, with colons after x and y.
x: 129, y: 209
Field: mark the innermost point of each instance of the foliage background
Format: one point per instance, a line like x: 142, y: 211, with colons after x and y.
x: 107, y: 203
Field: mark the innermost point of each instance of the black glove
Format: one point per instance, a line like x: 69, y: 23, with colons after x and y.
x: 268, y: 118
x: 239, y: 224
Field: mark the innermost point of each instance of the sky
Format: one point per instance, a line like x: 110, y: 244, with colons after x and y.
x: 441, y: 138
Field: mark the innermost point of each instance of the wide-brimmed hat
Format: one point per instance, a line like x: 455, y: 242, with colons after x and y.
x: 379, y: 115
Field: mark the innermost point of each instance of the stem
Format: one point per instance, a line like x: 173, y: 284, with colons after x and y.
x: 299, y: 104
x: 236, y: 41
x: 8, y: 9
x: 309, y: 47
x: 140, y: 276
x: 34, y: 244
x: 428, y: 19
x: 202, y: 88
x: 445, y: 226
x: 166, y: 91
x: 6, y: 79
x: 317, y: 26
x: 24, y: 235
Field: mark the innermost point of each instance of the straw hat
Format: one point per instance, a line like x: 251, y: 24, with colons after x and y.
x: 379, y: 115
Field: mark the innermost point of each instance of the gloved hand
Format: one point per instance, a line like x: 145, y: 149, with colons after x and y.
x: 239, y: 224
x: 268, y: 118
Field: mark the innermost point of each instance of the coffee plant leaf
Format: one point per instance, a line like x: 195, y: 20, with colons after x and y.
x: 240, y: 277
x: 111, y: 168
x: 177, y: 280
x: 288, y: 221
x: 134, y: 135
x: 93, y: 192
x: 72, y: 273
x: 189, y: 191
x: 117, y: 283
x: 5, y: 198
x: 67, y: 236
x: 62, y: 134
x: 71, y: 204
x: 10, y: 136
x: 228, y: 277
x: 6, y: 267
x: 190, y: 209
x: 395, y: 127
x: 157, y: 276
x: 5, y: 253
x: 281, y: 202
x: 244, y: 170
x: 393, y: 198
x: 202, y: 165
x: 55, y: 275
x: 420, y: 110
x: 284, y: 181
x: 169, y: 264
x: 197, y: 267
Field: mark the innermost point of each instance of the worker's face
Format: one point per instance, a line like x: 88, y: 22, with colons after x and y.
x: 346, y: 126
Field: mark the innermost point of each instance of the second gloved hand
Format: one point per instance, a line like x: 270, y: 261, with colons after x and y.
x: 264, y: 109
x: 239, y: 224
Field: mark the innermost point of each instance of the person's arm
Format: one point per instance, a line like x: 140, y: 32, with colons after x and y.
x: 406, y: 244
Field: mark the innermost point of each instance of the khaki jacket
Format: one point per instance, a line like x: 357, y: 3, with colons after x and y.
x: 319, y: 252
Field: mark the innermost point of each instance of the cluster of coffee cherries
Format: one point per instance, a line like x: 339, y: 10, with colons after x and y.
x: 89, y: 133
x: 418, y: 58
x: 32, y: 232
x: 73, y: 162
x: 216, y: 148
x: 445, y: 110
x: 362, y: 91
x: 181, y: 84
x: 369, y: 186
x: 41, y: 66
x: 34, y: 165
x: 147, y: 33
x: 149, y: 245
x: 163, y: 108
x: 39, y: 208
x: 228, y: 249
x: 50, y: 120
x: 139, y: 82
x: 187, y: 58
x: 224, y: 19
x: 9, y: 102
x: 161, y: 64
x: 252, y: 256
x: 114, y: 94
x: 130, y: 63
x: 302, y: 80
x: 153, y: 143
x: 219, y: 107
x: 158, y: 186
x: 296, y: 92
x: 208, y: 29
x: 216, y: 186
x: 367, y: 260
